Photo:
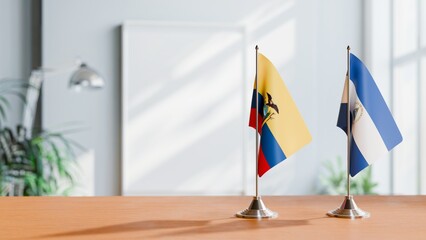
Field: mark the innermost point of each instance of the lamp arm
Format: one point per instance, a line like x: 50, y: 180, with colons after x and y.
x: 84, y: 76
x: 32, y: 97
x: 31, y: 100
x: 45, y: 71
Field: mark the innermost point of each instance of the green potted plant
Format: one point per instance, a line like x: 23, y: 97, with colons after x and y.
x: 333, y: 181
x: 40, y: 164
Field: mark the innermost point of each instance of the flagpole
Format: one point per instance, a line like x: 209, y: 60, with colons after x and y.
x: 348, y: 209
x: 257, y: 208
x: 348, y: 122
x: 257, y: 129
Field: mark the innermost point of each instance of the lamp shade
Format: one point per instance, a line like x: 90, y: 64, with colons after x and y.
x: 86, y: 77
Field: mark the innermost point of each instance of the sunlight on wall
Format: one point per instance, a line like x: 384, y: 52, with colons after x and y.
x: 186, y: 129
x: 405, y: 37
x: 284, y: 38
x: 266, y: 13
x: 215, y: 45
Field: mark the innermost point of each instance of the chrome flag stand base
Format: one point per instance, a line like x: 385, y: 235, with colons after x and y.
x: 257, y: 209
x: 349, y: 209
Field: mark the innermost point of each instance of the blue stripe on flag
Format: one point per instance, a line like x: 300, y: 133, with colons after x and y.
x: 358, y: 161
x: 270, y: 147
x: 372, y: 100
x: 341, y: 120
x: 260, y: 100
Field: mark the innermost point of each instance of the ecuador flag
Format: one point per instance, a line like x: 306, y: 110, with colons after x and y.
x: 281, y: 127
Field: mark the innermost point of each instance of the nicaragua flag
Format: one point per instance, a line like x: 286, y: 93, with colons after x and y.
x: 281, y: 126
x: 374, y: 131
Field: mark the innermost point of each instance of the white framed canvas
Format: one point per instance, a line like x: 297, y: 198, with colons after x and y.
x: 184, y: 109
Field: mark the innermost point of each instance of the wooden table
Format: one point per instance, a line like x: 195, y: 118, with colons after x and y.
x: 301, y: 217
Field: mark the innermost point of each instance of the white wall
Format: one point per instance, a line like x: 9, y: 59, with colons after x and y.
x: 15, y: 48
x: 305, y: 39
x: 398, y: 74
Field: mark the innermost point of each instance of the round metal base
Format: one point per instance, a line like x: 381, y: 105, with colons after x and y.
x: 257, y: 209
x: 349, y: 209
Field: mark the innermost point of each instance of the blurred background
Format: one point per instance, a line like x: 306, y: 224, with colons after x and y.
x: 171, y: 118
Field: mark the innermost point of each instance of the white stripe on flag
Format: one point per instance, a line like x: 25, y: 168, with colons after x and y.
x: 352, y: 93
x: 365, y: 133
x: 344, y: 95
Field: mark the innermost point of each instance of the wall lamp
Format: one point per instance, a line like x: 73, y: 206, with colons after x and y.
x: 82, y: 77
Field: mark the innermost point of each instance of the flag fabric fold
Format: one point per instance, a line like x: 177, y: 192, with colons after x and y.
x: 280, y: 125
x: 374, y: 131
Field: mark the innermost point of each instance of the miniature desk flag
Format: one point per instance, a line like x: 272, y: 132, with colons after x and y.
x: 280, y: 125
x: 374, y: 131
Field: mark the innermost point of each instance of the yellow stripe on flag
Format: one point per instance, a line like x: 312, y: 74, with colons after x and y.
x: 288, y: 127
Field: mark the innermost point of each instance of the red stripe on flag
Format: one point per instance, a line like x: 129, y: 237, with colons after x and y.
x: 263, y: 164
x: 252, y: 120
